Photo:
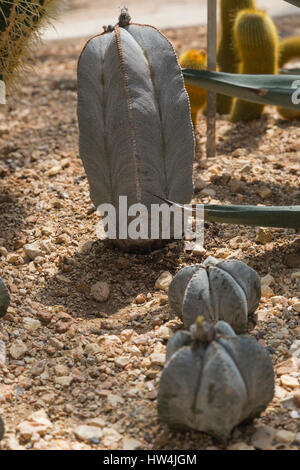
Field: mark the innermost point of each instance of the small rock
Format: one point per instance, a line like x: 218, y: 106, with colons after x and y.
x: 33, y: 250
x: 264, y: 235
x: 289, y: 381
x: 97, y: 422
x: 111, y: 438
x: 131, y: 444
x: 158, y: 359
x: 266, y: 291
x: 296, y: 399
x: 285, y: 436
x: 292, y: 261
x: 18, y: 349
x: 100, y: 291
x: 294, y: 350
x: 61, y: 371
x: 295, y: 275
x: 288, y: 366
x: 15, y: 259
x: 267, y: 280
x: 2, y: 353
x: 122, y: 361
x: 163, y: 332
x: 236, y: 186
x: 263, y: 437
x: 264, y: 193
x: 64, y: 381
x: 208, y: 192
x: 240, y: 446
x: 86, y: 433
x: 37, y: 423
x: 114, y: 400
x: 164, y: 280
x: 140, y: 299
x: 38, y: 368
x: 31, y: 324
x: 296, y: 307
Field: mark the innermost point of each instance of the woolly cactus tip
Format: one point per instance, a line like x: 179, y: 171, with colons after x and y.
x: 202, y: 331
x: 124, y: 18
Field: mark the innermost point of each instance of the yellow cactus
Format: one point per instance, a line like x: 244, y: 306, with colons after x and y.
x: 20, y: 21
x: 195, y: 59
x: 289, y: 49
x: 256, y: 40
x: 228, y: 60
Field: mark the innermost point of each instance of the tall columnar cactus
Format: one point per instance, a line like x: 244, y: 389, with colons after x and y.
x: 289, y: 49
x: 20, y: 22
x: 136, y: 134
x: 228, y: 60
x: 195, y: 59
x: 256, y: 40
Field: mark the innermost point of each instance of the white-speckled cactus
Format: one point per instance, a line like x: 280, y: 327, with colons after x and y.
x: 214, y: 380
x: 226, y: 290
x: 4, y: 298
x: 136, y: 134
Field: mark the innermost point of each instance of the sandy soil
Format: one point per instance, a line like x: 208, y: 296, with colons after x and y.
x: 80, y: 362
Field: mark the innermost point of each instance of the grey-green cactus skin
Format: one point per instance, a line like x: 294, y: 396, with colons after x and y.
x: 136, y: 134
x: 226, y: 290
x: 214, y: 387
x: 2, y: 429
x: 4, y: 298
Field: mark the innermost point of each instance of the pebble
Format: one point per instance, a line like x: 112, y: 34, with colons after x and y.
x: 86, y: 433
x: 295, y: 348
x: 97, y: 422
x: 288, y: 381
x: 33, y: 250
x: 236, y: 186
x: 64, y: 381
x: 38, y: 368
x: 266, y: 291
x: 164, y: 280
x: 264, y: 193
x: 264, y: 235
x: 295, y: 275
x: 296, y: 307
x: 285, y: 436
x: 163, y: 332
x: 263, y: 437
x: 267, y: 280
x: 131, y: 444
x: 37, y: 423
x: 2, y: 353
x: 208, y: 192
x: 61, y: 371
x: 111, y: 438
x: 240, y: 446
x: 140, y: 299
x: 18, y: 349
x: 31, y: 324
x: 100, y: 291
x: 158, y: 359
x: 15, y: 259
x: 288, y: 366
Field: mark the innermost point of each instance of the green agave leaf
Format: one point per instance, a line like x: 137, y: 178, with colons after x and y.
x: 258, y: 216
x: 294, y: 2
x: 283, y: 217
x: 276, y: 90
x: 291, y: 71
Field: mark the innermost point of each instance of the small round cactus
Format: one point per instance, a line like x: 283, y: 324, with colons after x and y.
x: 214, y: 380
x: 226, y: 290
x: 228, y: 60
x: 195, y: 59
x: 256, y: 40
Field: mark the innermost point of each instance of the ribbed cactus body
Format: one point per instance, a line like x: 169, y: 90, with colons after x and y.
x: 136, y: 135
x: 20, y: 21
x: 289, y: 49
x: 228, y: 60
x: 256, y: 40
x: 195, y: 59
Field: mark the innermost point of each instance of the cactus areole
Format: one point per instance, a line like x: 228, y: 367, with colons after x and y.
x: 136, y: 134
x: 214, y: 380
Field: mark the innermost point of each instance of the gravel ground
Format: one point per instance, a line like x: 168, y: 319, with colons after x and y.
x: 80, y: 374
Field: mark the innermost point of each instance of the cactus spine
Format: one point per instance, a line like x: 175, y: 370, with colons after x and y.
x: 228, y: 60
x: 20, y: 21
x: 256, y: 40
x: 195, y: 59
x: 289, y: 49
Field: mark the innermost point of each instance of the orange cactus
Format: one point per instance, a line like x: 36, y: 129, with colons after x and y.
x: 195, y: 59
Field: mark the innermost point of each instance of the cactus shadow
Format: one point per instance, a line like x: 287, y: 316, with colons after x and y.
x: 245, y: 135
x: 12, y: 215
x: 128, y: 275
